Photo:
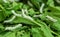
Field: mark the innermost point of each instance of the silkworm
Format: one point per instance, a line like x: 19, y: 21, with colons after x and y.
x: 41, y: 8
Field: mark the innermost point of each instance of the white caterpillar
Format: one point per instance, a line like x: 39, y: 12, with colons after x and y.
x: 13, y: 28
x: 10, y: 20
x: 25, y: 16
x: 50, y: 18
x: 41, y: 8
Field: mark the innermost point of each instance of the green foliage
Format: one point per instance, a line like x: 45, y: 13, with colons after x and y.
x: 28, y: 21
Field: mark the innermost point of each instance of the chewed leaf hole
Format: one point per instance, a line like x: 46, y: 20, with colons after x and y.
x: 48, y: 10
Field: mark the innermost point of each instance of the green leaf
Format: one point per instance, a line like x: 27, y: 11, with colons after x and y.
x: 31, y: 12
x: 8, y: 34
x: 36, y: 3
x: 2, y: 17
x: 36, y: 32
x: 55, y: 11
x: 17, y: 6
x: 1, y: 26
x: 19, y: 20
x: 45, y: 29
x: 50, y: 3
x: 26, y: 34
